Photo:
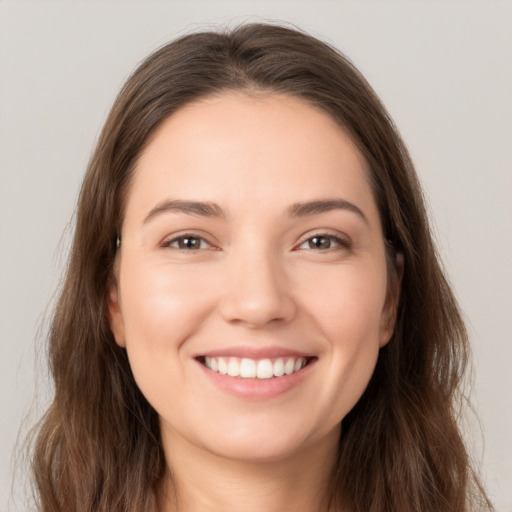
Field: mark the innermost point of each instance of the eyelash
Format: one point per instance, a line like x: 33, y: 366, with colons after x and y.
x: 167, y: 243
x: 342, y: 243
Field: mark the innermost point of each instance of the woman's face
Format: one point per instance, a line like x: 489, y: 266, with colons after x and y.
x: 251, y: 288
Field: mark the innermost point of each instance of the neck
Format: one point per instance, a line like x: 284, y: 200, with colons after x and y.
x: 199, y: 480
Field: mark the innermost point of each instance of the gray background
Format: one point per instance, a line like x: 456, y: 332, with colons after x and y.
x: 443, y: 68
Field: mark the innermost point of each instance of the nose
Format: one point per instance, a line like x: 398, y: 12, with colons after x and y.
x: 257, y: 291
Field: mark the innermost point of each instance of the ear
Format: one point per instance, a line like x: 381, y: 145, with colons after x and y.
x: 115, y: 315
x: 389, y: 311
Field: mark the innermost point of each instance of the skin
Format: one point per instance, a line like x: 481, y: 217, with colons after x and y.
x: 257, y: 279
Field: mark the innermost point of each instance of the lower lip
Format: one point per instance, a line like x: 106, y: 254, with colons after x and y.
x: 257, y: 389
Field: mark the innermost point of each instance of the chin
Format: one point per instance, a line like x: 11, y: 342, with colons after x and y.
x: 266, y: 445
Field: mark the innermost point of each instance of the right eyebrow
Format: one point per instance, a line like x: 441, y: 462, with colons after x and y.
x: 203, y: 209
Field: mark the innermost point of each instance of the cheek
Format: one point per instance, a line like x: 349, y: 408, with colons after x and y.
x: 159, y: 299
x: 347, y: 311
x: 346, y: 300
x: 162, y: 308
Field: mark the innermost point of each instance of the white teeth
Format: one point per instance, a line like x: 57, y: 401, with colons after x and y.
x: 223, y: 366
x: 265, y: 369
x: 289, y: 366
x: 246, y: 368
x: 279, y: 368
x: 233, y: 367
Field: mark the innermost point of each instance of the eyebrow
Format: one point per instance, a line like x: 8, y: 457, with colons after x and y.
x: 296, y: 210
x: 203, y: 209
x: 309, y: 208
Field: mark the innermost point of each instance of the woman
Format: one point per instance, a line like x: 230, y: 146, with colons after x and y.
x: 254, y: 315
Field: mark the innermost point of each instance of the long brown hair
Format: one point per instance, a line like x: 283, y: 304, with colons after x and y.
x: 98, y: 447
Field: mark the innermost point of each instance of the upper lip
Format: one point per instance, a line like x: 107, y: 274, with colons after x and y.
x: 254, y: 352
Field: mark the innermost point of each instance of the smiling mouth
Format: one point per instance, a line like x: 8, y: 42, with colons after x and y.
x: 246, y: 368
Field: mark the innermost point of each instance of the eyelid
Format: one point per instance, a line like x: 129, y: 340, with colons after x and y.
x: 167, y: 241
x: 343, y: 241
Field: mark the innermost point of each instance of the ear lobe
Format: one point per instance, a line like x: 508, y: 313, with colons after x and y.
x: 115, y: 316
x: 389, y: 312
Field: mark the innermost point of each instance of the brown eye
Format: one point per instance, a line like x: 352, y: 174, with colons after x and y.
x: 324, y: 242
x: 187, y: 243
x: 319, y: 242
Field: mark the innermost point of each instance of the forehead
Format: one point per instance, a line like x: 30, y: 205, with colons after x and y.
x: 246, y: 149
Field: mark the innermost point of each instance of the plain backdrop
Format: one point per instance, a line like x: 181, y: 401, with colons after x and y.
x: 444, y: 70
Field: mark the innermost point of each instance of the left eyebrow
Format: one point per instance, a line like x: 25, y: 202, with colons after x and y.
x: 309, y: 208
